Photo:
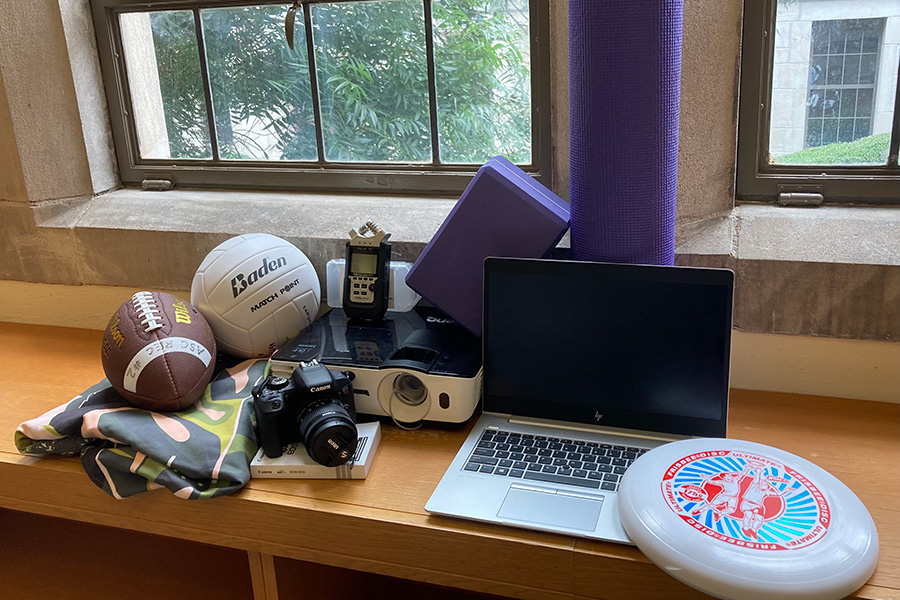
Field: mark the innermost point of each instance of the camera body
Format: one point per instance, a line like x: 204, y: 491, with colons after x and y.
x: 412, y: 366
x: 313, y: 406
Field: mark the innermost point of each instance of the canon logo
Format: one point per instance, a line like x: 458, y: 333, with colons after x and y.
x: 240, y: 282
x: 319, y: 388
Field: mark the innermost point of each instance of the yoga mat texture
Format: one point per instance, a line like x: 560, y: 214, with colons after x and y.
x: 624, y: 86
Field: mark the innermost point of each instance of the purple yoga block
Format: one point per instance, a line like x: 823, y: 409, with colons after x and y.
x: 503, y: 212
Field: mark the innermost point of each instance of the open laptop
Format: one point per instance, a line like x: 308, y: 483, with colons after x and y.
x: 586, y: 367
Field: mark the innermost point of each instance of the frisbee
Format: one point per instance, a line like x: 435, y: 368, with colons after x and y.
x: 741, y: 521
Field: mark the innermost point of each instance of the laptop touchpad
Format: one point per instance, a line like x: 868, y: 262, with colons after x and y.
x: 558, y: 508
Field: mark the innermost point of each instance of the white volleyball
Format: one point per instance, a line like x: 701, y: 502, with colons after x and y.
x: 256, y: 291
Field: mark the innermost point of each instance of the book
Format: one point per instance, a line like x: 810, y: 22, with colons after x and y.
x: 295, y: 462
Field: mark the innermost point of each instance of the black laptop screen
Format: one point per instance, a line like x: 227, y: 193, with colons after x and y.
x: 640, y: 347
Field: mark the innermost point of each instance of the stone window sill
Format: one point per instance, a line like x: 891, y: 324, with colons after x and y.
x: 829, y: 271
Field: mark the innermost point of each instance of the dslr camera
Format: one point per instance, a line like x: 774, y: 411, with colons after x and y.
x: 313, y: 406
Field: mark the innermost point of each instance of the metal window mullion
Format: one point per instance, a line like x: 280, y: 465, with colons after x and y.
x: 314, y: 81
x: 894, y: 149
x: 539, y: 55
x: 207, y: 87
x: 879, y: 39
x: 432, y: 83
x: 843, y: 86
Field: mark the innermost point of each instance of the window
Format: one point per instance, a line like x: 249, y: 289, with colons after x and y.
x: 818, y: 109
x: 842, y: 69
x: 388, y: 95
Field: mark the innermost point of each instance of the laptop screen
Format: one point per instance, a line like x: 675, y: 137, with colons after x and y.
x: 634, y: 346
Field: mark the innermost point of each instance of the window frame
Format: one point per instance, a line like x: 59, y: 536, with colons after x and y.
x: 312, y: 176
x: 759, y: 181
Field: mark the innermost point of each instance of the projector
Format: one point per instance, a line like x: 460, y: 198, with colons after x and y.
x: 413, y: 366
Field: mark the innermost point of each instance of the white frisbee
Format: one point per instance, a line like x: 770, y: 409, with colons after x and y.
x: 743, y: 521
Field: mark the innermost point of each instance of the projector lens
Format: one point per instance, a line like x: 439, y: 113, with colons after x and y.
x: 410, y: 389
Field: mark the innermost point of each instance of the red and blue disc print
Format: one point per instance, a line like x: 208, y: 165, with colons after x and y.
x: 746, y: 500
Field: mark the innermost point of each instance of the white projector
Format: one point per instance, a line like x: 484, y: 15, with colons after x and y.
x: 412, y: 366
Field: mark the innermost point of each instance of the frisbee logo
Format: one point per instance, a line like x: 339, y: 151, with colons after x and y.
x: 746, y: 500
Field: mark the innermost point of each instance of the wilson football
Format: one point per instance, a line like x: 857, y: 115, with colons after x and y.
x: 158, y: 352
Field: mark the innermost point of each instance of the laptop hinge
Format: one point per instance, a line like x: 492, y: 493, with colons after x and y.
x: 647, y: 435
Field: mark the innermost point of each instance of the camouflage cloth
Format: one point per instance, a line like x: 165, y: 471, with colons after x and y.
x: 202, y: 451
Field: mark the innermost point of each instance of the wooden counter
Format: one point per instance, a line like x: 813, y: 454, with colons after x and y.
x: 295, y: 538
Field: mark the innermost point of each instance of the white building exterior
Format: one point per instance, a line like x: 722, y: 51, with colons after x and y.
x: 800, y: 119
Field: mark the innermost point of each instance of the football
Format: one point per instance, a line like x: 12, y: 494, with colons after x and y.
x: 158, y: 352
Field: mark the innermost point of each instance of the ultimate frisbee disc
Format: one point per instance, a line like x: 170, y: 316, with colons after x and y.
x: 742, y: 521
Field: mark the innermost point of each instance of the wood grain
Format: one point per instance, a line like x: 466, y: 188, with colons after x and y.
x: 380, y: 521
x: 262, y: 573
x: 47, y: 558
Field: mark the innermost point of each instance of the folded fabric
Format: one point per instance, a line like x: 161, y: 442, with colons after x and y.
x: 202, y: 451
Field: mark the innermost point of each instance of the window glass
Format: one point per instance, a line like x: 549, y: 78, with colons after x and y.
x: 483, y: 79
x: 833, y: 83
x: 260, y: 87
x: 162, y: 61
x: 373, y: 80
x: 407, y: 95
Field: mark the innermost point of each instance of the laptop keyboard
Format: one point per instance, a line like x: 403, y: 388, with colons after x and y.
x: 551, y: 459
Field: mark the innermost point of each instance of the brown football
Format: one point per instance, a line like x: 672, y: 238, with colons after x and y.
x: 158, y: 352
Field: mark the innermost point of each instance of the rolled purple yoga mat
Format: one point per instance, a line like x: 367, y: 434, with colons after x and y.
x: 624, y: 86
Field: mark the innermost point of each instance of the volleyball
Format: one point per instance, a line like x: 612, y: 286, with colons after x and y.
x: 256, y: 291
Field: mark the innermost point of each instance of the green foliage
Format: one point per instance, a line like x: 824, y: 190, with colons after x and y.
x: 868, y: 150
x: 177, y: 60
x: 255, y: 75
x: 372, y: 79
x: 483, y: 80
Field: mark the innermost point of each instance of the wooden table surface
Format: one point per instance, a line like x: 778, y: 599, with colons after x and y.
x: 381, y: 522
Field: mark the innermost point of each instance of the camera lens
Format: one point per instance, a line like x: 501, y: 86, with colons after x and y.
x: 329, y: 434
x: 410, y: 389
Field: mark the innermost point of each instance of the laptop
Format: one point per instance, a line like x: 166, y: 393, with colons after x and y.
x: 587, y: 366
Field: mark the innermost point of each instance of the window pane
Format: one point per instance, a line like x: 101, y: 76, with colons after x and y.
x: 867, y: 68
x: 845, y: 130
x: 817, y: 70
x: 163, y: 66
x: 373, y: 80
x: 835, y: 62
x: 854, y: 40
x: 483, y: 79
x: 260, y: 87
x: 864, y: 104
x: 851, y: 69
x: 848, y: 103
x: 871, y: 42
x: 829, y: 131
x: 836, y: 41
x: 814, y: 102
x: 819, y: 38
x: 814, y: 133
x: 832, y: 101
x: 835, y: 70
